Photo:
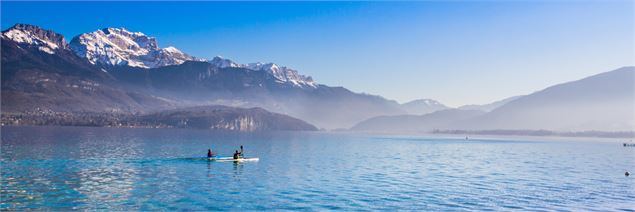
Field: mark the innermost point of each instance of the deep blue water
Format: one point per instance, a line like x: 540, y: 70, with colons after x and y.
x: 64, y: 168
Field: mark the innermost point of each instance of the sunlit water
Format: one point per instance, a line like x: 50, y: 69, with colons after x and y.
x: 147, y: 169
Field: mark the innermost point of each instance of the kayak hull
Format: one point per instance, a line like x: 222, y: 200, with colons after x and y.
x: 236, y: 160
x: 227, y: 159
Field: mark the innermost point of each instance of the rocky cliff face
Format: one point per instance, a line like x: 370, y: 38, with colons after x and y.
x: 243, y: 123
x: 34, y: 36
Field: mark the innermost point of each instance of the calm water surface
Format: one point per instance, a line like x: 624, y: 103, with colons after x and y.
x: 64, y: 168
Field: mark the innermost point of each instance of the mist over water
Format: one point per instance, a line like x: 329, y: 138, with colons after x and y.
x: 62, y: 168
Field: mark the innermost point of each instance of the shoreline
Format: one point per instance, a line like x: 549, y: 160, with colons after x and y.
x: 487, y: 136
x: 470, y: 136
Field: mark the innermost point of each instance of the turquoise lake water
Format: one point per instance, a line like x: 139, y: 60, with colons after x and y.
x: 66, y: 168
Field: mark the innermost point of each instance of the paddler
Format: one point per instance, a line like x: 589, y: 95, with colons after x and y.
x: 237, y: 154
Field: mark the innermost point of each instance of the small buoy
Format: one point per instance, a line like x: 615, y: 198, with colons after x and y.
x: 626, y: 174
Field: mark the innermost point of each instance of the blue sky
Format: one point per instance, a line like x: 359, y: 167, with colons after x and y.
x: 454, y: 52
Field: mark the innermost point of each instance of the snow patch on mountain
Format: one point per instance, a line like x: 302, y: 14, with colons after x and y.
x: 221, y: 62
x: 118, y: 46
x: 45, y: 40
x: 281, y: 73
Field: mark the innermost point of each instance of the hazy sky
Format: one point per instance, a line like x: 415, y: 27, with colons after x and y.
x: 454, y: 52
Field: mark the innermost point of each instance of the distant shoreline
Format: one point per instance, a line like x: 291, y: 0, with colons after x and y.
x: 624, y: 135
x: 202, y: 117
x: 472, y: 136
x: 542, y: 133
x: 120, y: 120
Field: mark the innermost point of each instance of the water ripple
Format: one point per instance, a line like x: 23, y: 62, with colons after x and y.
x: 121, y: 169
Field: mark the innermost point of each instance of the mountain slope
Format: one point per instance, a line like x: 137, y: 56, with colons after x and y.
x: 416, y: 124
x: 117, y: 70
x: 201, y: 83
x: 600, y: 102
x: 222, y: 81
x: 491, y: 106
x: 282, y: 74
x: 40, y: 72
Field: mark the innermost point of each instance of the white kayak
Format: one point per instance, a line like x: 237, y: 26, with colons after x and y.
x: 227, y: 159
x: 235, y: 160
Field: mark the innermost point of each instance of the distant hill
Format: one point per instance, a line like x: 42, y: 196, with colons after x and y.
x: 603, y: 102
x: 203, y: 117
x: 422, y: 106
x: 223, y: 118
x: 596, y: 105
x: 489, y: 107
x: 415, y: 123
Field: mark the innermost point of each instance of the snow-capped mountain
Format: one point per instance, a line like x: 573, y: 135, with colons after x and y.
x: 423, y: 106
x: 221, y: 62
x: 41, y: 73
x: 118, y: 46
x: 281, y: 73
x: 45, y: 40
x: 102, y: 71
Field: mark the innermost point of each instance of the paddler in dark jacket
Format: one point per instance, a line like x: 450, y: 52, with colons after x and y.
x: 239, y: 154
x: 236, y: 155
x: 209, y: 153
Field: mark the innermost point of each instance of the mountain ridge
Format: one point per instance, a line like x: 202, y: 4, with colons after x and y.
x: 599, y: 104
x: 603, y: 101
x: 41, y: 71
x: 415, y: 123
x: 489, y: 106
x: 191, y: 83
x: 35, y: 78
